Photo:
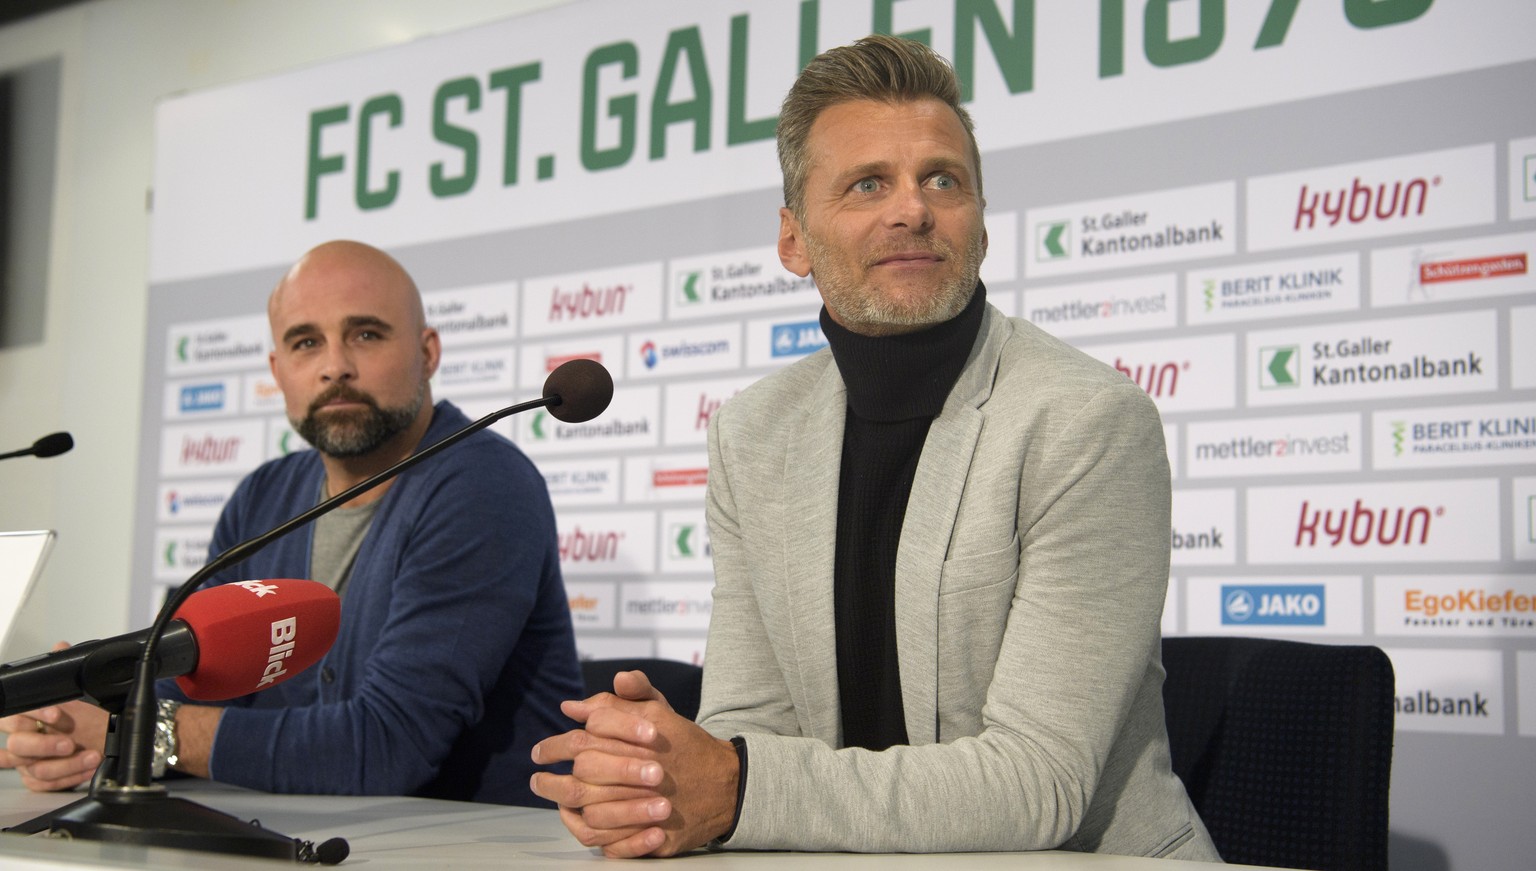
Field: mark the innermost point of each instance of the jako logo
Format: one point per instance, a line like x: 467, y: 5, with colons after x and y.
x: 1289, y: 605
x: 202, y: 397
x: 648, y: 354
x: 797, y: 339
x: 1361, y: 202
x: 1157, y: 379
x: 587, y: 302
x: 1360, y: 526
x: 577, y: 546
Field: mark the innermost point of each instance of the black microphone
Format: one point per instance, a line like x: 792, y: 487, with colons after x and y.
x: 138, y: 811
x: 50, y: 445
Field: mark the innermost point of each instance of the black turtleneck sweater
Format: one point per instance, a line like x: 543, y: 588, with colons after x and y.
x: 896, y: 387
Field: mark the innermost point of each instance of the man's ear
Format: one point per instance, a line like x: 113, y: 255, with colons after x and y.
x: 431, y: 350
x: 792, y: 244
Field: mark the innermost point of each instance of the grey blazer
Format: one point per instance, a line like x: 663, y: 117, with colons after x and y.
x: 1030, y: 581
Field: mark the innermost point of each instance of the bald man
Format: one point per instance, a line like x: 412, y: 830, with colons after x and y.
x: 455, y: 646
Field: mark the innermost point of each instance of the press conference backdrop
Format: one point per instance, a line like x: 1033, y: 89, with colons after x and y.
x: 1305, y: 229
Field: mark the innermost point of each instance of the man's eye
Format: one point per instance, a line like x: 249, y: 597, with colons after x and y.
x: 866, y: 185
x: 945, y: 182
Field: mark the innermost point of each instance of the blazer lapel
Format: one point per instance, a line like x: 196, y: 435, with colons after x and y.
x: 811, y: 470
x: 937, y: 488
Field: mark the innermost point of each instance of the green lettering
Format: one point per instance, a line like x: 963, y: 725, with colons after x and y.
x: 1111, y: 38
x: 1163, y: 51
x: 883, y: 22
x: 687, y: 44
x: 318, y: 164
x: 622, y: 108
x: 462, y: 138
x: 810, y: 25
x: 1366, y: 14
x: 737, y: 128
x: 390, y: 106
x: 1015, y: 53
x: 512, y: 80
x: 1277, y: 22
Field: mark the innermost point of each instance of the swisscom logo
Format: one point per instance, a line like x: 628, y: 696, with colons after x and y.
x: 1273, y: 605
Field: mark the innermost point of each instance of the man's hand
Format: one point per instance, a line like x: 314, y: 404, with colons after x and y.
x: 57, y: 747
x: 644, y: 781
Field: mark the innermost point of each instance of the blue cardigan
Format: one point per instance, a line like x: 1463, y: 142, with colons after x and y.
x: 455, y: 648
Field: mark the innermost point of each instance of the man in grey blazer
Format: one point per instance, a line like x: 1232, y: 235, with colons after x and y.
x: 940, y: 547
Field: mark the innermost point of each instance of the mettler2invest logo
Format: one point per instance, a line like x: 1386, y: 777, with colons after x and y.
x: 1271, y: 605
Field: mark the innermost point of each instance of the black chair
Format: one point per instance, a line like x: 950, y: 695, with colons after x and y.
x: 1285, y: 748
x: 678, y: 681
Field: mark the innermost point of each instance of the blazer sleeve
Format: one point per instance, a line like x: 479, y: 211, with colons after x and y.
x: 1075, y: 669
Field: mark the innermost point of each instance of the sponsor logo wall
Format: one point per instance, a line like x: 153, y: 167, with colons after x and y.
x: 1339, y: 328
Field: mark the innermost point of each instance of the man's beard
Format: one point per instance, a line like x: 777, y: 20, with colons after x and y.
x: 353, y: 433
x: 864, y: 309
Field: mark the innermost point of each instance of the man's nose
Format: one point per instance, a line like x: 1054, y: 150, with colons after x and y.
x: 908, y: 208
x: 339, y: 365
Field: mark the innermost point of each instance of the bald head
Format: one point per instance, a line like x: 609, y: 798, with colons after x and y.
x: 344, y: 262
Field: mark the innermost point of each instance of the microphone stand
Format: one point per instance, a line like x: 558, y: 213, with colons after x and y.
x: 127, y: 806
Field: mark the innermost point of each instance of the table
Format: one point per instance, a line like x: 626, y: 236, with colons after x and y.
x: 390, y: 832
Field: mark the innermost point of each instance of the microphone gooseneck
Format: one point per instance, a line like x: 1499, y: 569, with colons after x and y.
x: 129, y: 807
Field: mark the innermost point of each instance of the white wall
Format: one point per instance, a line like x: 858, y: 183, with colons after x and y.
x: 119, y: 58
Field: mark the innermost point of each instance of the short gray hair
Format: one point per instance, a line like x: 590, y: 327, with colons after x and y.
x: 877, y: 67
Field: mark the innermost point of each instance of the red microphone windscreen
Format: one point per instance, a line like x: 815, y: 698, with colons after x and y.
x: 255, y: 634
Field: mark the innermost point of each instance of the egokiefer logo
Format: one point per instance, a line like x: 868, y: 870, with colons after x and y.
x: 1274, y: 605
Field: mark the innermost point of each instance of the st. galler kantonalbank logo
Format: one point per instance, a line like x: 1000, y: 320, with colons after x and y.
x: 689, y: 288
x: 682, y: 540
x: 1053, y: 240
x: 1279, y: 367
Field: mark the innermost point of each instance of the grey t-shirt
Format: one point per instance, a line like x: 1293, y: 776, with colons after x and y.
x: 338, y: 536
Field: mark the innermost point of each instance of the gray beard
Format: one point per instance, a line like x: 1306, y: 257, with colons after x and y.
x: 866, y: 312
x: 355, y: 434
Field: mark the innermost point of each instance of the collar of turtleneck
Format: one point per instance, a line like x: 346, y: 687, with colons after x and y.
x: 907, y: 376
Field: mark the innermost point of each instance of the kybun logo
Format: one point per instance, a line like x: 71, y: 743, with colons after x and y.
x: 1361, y: 525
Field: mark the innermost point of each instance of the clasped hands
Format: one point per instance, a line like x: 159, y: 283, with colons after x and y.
x: 644, y: 781
x: 56, y: 747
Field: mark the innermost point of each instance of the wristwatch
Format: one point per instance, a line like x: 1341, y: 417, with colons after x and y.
x: 166, y: 743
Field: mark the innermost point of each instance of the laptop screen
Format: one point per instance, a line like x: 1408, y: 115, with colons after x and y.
x: 21, y: 560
